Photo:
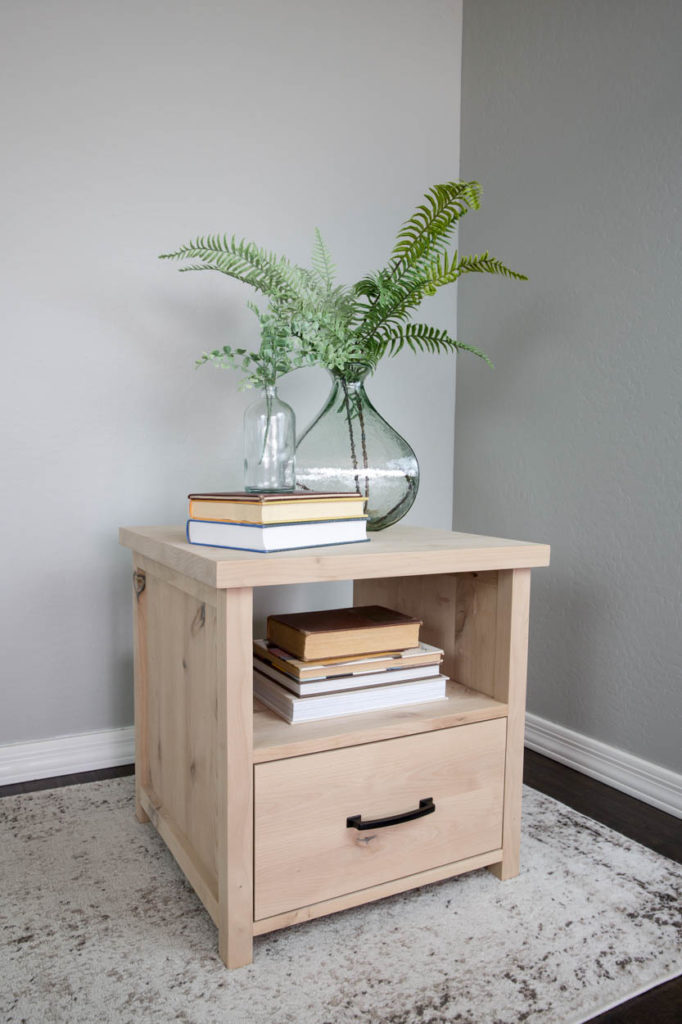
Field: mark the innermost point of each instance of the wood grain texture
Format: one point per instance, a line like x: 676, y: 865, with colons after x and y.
x: 459, y: 611
x: 175, y: 718
x: 402, y: 550
x: 511, y: 663
x: 306, y: 854
x: 201, y: 591
x: 181, y: 724
x: 204, y: 884
x: 475, y: 628
x: 235, y: 775
x: 430, y: 598
x: 274, y: 739
x: 375, y: 892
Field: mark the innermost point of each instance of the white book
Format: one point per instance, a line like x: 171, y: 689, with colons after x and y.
x: 335, y: 684
x: 276, y: 537
x: 375, y: 698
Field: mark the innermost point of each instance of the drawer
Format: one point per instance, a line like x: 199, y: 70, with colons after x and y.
x: 303, y: 848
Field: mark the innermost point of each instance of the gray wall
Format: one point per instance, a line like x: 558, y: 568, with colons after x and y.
x: 130, y: 127
x: 572, y: 121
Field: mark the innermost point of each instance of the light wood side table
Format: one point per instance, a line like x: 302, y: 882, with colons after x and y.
x: 255, y: 810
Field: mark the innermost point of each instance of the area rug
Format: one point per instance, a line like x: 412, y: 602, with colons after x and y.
x: 98, y: 925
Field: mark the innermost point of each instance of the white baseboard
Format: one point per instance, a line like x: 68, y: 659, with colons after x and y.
x: 64, y: 755
x: 644, y: 780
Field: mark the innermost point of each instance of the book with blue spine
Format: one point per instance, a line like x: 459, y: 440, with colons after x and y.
x: 264, y: 537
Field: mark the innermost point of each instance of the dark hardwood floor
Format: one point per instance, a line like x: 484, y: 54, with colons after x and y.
x: 634, y: 819
x: 624, y: 814
x: 67, y: 780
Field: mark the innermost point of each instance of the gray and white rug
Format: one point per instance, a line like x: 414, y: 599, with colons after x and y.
x: 98, y: 925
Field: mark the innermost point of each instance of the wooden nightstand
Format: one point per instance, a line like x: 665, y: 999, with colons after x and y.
x: 255, y: 810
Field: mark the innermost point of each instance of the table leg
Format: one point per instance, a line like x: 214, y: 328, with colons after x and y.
x: 235, y: 775
x: 511, y: 662
x: 141, y: 688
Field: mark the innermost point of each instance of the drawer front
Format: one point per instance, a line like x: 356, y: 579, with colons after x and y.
x: 306, y: 853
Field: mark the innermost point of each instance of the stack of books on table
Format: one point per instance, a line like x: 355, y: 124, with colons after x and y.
x: 276, y: 522
x: 322, y: 664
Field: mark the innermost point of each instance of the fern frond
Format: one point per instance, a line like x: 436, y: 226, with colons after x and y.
x: 322, y: 262
x: 392, y: 300
x: 242, y: 260
x: 197, y: 266
x: 487, y: 264
x: 419, y: 264
x: 311, y: 321
x: 422, y: 338
x: 367, y: 286
x: 442, y: 269
x: 432, y: 224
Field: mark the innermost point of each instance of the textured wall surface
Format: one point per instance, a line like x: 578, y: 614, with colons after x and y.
x: 571, y: 119
x: 130, y: 128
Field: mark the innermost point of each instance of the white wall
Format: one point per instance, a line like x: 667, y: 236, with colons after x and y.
x: 571, y: 118
x: 130, y: 127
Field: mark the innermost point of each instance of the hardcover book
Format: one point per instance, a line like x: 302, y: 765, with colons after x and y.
x: 343, y: 632
x: 242, y: 507
x: 338, y: 684
x: 324, y: 668
x: 276, y: 537
x: 376, y: 698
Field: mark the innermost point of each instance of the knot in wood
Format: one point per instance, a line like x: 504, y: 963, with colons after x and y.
x: 199, y: 620
x: 364, y: 840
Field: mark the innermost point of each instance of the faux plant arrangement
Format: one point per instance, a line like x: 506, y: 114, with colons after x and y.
x: 310, y: 320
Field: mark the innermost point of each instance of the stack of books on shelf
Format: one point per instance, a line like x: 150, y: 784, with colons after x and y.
x: 322, y: 664
x: 276, y: 522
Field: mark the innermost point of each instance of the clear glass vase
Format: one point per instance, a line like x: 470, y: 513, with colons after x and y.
x: 350, y: 447
x: 269, y: 444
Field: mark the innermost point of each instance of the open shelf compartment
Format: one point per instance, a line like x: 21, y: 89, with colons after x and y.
x: 459, y: 614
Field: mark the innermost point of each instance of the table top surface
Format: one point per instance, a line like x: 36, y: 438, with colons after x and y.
x: 397, y: 551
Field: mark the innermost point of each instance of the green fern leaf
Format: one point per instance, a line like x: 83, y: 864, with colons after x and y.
x: 431, y: 226
x: 197, y: 266
x: 242, y: 260
x: 486, y: 264
x: 322, y: 262
x: 423, y: 338
x: 393, y: 300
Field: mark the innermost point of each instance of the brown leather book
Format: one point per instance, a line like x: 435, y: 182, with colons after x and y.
x: 343, y: 632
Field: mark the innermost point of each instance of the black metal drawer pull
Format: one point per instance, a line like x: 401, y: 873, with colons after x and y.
x: 426, y: 806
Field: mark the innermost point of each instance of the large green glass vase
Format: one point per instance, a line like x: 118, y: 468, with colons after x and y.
x: 350, y: 447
